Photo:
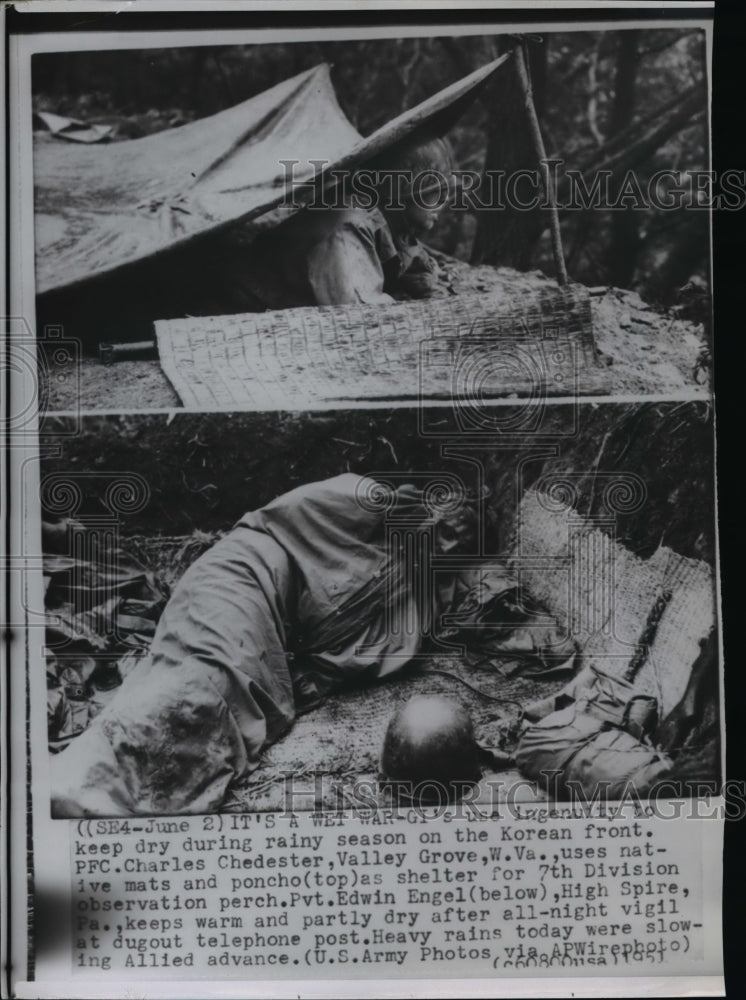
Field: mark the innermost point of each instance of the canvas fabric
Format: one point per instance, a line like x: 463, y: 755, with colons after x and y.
x: 102, y: 208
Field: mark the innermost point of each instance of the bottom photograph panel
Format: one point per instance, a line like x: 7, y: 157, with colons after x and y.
x: 252, y: 613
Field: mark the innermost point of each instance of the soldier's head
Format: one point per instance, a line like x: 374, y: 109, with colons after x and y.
x: 419, y: 179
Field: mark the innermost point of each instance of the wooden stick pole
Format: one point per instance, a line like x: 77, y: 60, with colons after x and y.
x: 538, y: 141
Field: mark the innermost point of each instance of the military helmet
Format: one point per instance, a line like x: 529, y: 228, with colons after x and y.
x: 430, y: 752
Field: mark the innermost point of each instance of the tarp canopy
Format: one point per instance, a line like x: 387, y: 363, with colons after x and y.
x: 100, y: 208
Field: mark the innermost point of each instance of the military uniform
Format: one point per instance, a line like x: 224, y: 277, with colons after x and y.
x: 328, y: 257
x: 297, y: 591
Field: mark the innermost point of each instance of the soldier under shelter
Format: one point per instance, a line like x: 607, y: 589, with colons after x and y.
x: 350, y: 249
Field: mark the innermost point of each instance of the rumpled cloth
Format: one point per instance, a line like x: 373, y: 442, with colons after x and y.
x: 306, y: 578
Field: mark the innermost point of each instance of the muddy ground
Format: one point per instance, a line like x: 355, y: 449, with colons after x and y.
x: 646, y: 350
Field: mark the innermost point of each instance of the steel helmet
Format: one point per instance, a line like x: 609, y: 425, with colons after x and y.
x: 429, y: 751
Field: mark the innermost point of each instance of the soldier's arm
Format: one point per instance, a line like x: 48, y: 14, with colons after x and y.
x: 344, y: 267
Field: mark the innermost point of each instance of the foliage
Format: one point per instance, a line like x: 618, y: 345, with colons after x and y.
x: 204, y: 471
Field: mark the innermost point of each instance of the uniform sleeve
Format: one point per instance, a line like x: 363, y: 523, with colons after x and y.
x: 344, y: 267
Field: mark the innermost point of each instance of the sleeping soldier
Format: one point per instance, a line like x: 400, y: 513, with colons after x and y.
x: 301, y: 598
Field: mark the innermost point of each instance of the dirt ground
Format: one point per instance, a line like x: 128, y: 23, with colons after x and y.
x: 343, y: 738
x: 646, y: 351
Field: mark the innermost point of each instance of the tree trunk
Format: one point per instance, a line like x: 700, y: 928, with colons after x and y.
x: 507, y: 236
x: 689, y: 251
x: 629, y: 149
x: 624, y: 245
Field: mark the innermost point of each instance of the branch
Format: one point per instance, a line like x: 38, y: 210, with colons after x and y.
x: 593, y: 99
x: 630, y: 135
x: 644, y: 147
x: 579, y: 65
x: 405, y: 74
x: 669, y: 43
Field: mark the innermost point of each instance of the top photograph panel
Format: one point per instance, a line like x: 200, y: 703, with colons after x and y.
x: 317, y: 224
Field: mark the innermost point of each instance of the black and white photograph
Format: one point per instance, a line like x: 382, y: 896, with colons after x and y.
x: 289, y: 225
x: 363, y: 570
x: 240, y: 627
